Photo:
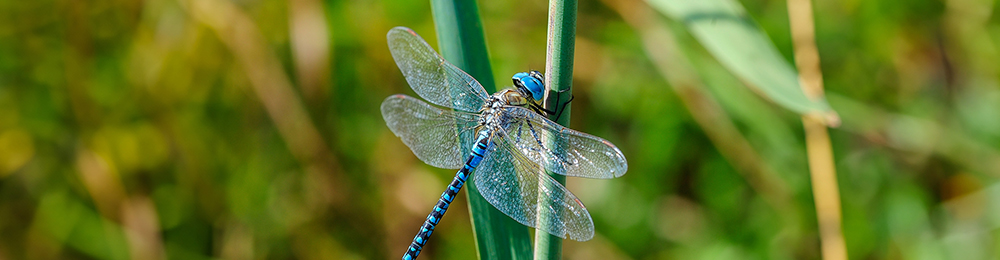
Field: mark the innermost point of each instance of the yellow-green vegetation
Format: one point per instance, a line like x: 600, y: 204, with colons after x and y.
x: 250, y: 129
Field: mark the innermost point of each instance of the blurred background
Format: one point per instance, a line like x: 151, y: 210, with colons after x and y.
x: 250, y: 129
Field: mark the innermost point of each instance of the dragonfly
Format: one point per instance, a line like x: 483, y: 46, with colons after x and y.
x: 504, y: 138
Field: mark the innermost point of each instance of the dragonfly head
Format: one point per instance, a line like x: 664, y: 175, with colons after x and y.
x: 530, y: 83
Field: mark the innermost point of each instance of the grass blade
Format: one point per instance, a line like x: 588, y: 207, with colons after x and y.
x: 725, y: 30
x: 460, y: 34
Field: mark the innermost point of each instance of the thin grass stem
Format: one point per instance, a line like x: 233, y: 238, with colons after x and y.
x: 822, y: 172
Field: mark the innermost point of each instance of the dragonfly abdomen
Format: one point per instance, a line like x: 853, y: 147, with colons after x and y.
x: 478, y: 151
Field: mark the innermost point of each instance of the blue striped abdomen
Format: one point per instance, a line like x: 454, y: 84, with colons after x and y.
x: 478, y: 151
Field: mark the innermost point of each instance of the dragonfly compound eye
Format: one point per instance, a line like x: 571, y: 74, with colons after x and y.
x: 532, y: 82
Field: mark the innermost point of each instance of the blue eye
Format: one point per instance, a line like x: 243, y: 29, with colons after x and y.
x: 532, y: 82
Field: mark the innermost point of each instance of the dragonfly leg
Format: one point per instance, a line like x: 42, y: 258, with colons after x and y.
x: 562, y: 108
x: 557, y: 112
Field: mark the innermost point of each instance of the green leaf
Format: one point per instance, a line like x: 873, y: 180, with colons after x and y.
x: 729, y: 34
x: 460, y: 34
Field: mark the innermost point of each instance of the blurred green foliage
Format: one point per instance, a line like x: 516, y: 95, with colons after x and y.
x: 142, y: 130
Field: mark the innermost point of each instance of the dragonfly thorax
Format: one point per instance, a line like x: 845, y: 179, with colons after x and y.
x: 511, y: 97
x: 491, y: 109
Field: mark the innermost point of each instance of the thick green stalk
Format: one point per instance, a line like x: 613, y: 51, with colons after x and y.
x: 559, y: 77
x: 460, y: 35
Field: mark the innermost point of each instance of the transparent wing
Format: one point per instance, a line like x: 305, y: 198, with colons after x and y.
x: 440, y: 138
x: 559, y: 149
x: 514, y: 185
x: 433, y: 78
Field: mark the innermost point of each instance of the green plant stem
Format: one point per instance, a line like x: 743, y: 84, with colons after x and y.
x: 461, y: 40
x: 559, y: 77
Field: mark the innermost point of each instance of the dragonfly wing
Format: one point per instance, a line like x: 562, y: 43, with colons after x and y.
x: 433, y: 78
x: 516, y: 185
x: 440, y: 138
x: 562, y: 150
